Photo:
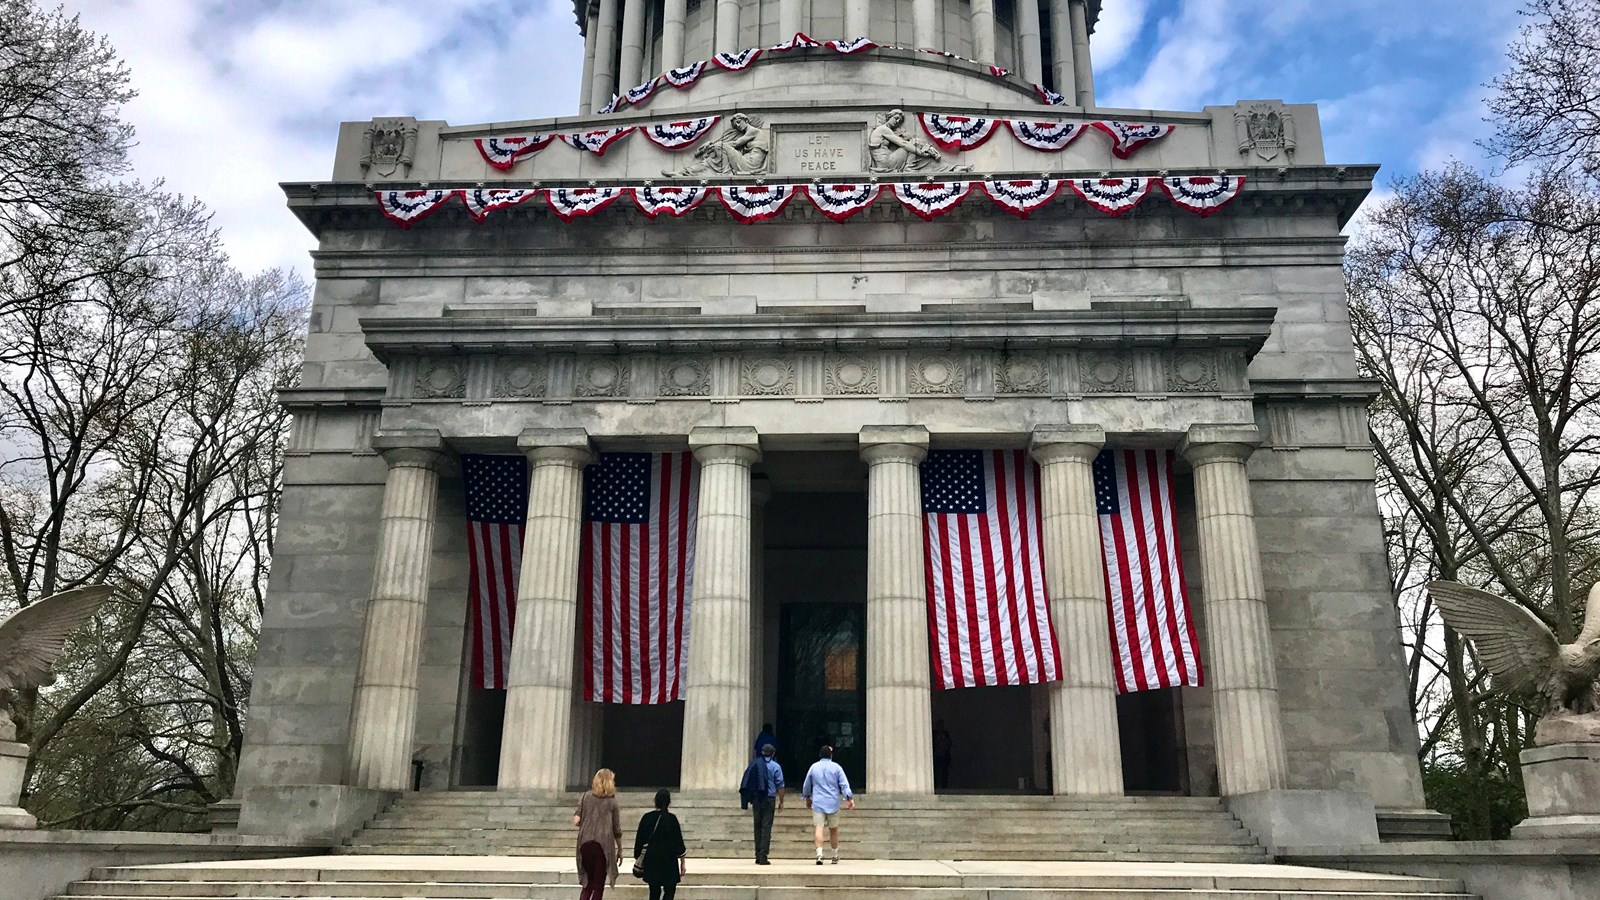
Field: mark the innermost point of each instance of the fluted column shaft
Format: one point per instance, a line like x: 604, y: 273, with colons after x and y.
x: 925, y: 24
x: 673, y: 15
x: 727, y: 27
x: 791, y: 18
x: 1029, y: 53
x: 716, y: 713
x: 536, y: 742
x: 983, y: 32
x: 899, y: 683
x: 383, y: 712
x: 1084, y: 740
x: 1062, y: 48
x: 1241, y: 669
x: 605, y: 55
x: 1084, y: 71
x: 630, y: 64
x: 585, y: 102
x: 857, y: 16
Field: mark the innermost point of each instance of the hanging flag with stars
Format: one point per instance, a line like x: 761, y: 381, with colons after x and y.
x: 635, y: 575
x: 988, y: 612
x: 1153, y: 642
x: 497, y: 506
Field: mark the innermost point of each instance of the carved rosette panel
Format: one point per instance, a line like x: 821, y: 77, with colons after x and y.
x: 766, y: 376
x: 520, y: 378
x: 938, y: 374
x: 850, y: 375
x: 1192, y: 372
x: 602, y: 376
x: 441, y: 379
x: 1022, y: 374
x: 685, y: 377
x: 1106, y: 373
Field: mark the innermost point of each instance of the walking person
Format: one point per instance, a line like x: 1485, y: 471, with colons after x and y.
x: 599, y: 824
x: 825, y: 786
x: 943, y: 753
x: 764, y: 738
x: 659, y: 848
x: 762, y: 789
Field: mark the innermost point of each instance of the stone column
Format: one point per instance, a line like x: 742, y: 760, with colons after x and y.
x: 536, y: 742
x: 1084, y: 742
x: 585, y: 102
x: 857, y: 16
x: 925, y: 24
x: 1062, y: 48
x: 630, y: 65
x: 1029, y: 53
x: 383, y: 713
x: 1244, y: 682
x: 727, y: 27
x: 673, y: 15
x: 716, y: 713
x: 899, y: 681
x: 791, y: 18
x: 1083, y: 72
x: 605, y: 55
x: 983, y: 32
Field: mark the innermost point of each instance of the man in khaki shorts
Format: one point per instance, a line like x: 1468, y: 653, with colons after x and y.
x: 824, y: 788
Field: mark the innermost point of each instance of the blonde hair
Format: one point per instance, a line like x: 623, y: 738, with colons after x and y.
x: 604, y: 783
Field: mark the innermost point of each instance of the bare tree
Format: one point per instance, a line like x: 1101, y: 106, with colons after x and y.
x: 1548, y: 104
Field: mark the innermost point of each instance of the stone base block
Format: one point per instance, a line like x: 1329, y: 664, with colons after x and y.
x: 17, y: 817
x: 13, y: 768
x: 1287, y: 819
x: 313, y: 813
x: 223, y: 816
x: 1562, y: 782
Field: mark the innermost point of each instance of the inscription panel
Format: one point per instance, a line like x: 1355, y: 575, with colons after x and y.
x: 819, y: 152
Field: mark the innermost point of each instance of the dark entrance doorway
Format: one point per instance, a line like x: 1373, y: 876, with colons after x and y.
x: 822, y: 692
x: 1154, y: 758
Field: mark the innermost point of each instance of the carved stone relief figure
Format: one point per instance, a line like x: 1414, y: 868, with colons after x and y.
x: 1266, y: 128
x: 895, y: 149
x: 745, y: 148
x: 388, y: 146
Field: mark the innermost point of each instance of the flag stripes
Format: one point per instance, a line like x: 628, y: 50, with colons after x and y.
x: 496, y: 490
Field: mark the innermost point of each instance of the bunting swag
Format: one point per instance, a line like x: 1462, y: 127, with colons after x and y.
x: 610, y: 107
x: 957, y: 132
x: 505, y: 152
x: 1202, y: 194
x: 1126, y: 137
x: 497, y: 506
x: 570, y: 203
x: 755, y: 202
x: 1153, y: 641
x: 596, y: 141
x: 734, y: 62
x: 1112, y: 196
x: 682, y: 78
x: 988, y: 612
x: 1051, y: 137
x: 854, y: 45
x: 406, y: 207
x: 841, y: 201
x: 635, y: 575
x: 800, y: 41
x: 931, y: 199
x: 998, y: 72
x: 1022, y: 197
x: 482, y: 201
x: 677, y: 135
x: 1048, y: 96
x: 639, y: 93
x: 674, y: 201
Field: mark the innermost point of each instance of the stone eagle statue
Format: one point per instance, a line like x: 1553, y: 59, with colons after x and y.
x: 31, y: 640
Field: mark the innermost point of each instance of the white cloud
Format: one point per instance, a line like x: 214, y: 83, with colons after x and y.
x: 1119, y: 26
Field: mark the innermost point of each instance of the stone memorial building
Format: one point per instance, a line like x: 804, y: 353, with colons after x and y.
x: 810, y: 267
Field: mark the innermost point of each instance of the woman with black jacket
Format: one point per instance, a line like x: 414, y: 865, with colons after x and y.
x: 660, y: 842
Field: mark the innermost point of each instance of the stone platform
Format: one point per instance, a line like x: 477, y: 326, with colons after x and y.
x: 537, y: 878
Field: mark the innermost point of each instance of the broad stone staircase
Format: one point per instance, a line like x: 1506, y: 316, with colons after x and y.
x: 951, y: 827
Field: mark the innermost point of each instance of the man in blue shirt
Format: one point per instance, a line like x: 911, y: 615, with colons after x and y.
x: 824, y: 787
x: 762, y: 788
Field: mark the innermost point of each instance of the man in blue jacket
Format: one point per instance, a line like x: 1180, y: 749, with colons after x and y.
x: 762, y: 788
x: 824, y: 788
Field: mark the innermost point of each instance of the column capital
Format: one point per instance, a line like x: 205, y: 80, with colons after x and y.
x: 735, y: 444
x: 422, y: 448
x: 569, y: 446
x: 1219, y: 443
x: 1060, y: 443
x: 891, y: 443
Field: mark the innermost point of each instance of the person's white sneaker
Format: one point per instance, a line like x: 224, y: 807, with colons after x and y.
x: 835, y: 860
x: 819, y: 857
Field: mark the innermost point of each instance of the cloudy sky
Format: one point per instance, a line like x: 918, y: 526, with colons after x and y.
x: 236, y: 96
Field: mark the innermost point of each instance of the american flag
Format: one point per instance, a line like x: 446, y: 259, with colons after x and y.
x: 1153, y: 642
x: 635, y: 577
x: 497, y: 505
x: 987, y: 607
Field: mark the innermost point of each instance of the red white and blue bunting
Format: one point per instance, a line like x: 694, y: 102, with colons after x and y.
x: 734, y: 62
x: 957, y: 132
x: 684, y: 76
x: 610, y: 107
x: 1051, y: 137
x: 482, y: 201
x: 672, y: 200
x: 639, y: 93
x: 1202, y: 194
x: 800, y: 41
x: 505, y: 152
x: 931, y: 199
x: 678, y: 135
x: 570, y: 203
x: 998, y: 72
x: 854, y: 45
x: 1112, y: 196
x: 841, y: 201
x: 1127, y: 137
x: 1048, y: 96
x: 752, y: 203
x: 1022, y: 197
x: 405, y: 207
x: 596, y: 141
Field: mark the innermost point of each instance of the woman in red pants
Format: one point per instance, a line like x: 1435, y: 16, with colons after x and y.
x: 599, y: 823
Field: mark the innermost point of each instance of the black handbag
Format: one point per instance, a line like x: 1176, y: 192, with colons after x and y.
x: 638, y: 861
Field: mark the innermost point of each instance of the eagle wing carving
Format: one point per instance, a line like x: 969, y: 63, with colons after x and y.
x: 1516, y: 646
x: 31, y: 640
